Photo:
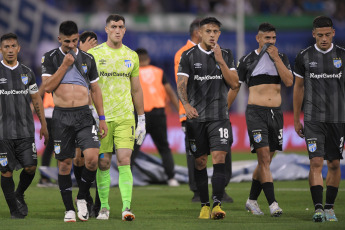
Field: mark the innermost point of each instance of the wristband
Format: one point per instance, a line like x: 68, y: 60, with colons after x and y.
x: 141, y: 118
x: 101, y: 118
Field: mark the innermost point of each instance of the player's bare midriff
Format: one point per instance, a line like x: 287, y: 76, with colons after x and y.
x: 70, y: 95
x: 265, y: 95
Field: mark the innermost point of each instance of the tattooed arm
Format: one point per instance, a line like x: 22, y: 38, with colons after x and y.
x: 182, y: 93
x: 38, y: 106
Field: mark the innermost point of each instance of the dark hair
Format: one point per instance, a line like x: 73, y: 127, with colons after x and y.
x: 210, y: 20
x: 116, y: 18
x: 322, y: 21
x: 68, y: 28
x: 87, y: 34
x: 8, y: 36
x: 266, y: 27
x: 194, y: 26
x: 141, y: 51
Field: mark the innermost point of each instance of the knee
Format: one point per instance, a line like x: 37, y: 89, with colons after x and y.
x: 92, y: 163
x: 200, y: 162
x: 30, y: 169
x: 65, y: 167
x: 316, y: 163
x: 334, y: 165
x: 7, y: 174
x: 124, y: 161
x: 79, y: 161
x: 104, y: 164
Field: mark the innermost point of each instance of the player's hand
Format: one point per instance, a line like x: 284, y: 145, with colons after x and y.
x: 273, y: 52
x: 103, y: 129
x: 217, y: 53
x: 140, y: 132
x: 44, y: 133
x: 191, y: 111
x: 68, y: 60
x: 88, y: 44
x: 299, y: 129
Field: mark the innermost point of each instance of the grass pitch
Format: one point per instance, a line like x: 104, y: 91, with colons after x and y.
x: 163, y: 207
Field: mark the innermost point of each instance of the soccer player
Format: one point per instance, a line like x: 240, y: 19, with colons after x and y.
x: 320, y: 83
x: 118, y: 68
x: 87, y: 40
x: 156, y: 88
x: 194, y: 40
x: 204, y: 74
x: 263, y: 70
x: 69, y: 73
x: 17, y: 133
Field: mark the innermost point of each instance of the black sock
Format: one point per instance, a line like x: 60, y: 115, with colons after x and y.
x: 218, y: 183
x: 255, y: 190
x: 77, y: 173
x: 201, y: 181
x: 97, y: 200
x: 7, y: 185
x: 269, y: 192
x: 24, y: 182
x: 331, y: 194
x: 316, y: 195
x: 65, y: 185
x: 87, y: 178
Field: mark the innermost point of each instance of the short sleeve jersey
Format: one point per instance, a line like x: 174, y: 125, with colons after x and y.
x: 260, y: 68
x: 116, y: 67
x: 206, y: 88
x: 82, y: 72
x: 324, y: 83
x: 16, y: 85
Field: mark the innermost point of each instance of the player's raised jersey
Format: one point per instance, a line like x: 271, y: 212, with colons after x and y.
x: 116, y: 67
x: 207, y: 90
x: 324, y: 83
x: 16, y: 85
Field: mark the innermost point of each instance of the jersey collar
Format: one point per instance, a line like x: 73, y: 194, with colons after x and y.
x: 10, y: 67
x: 206, y: 52
x: 65, y: 54
x: 321, y: 51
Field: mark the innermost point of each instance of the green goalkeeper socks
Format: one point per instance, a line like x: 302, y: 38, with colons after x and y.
x: 103, y: 187
x: 126, y: 185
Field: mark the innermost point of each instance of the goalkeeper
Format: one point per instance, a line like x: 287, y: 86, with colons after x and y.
x: 118, y: 68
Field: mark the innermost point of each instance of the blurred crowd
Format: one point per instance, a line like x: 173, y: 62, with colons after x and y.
x: 287, y: 7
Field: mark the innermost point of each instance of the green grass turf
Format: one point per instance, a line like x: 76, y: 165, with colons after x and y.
x: 162, y: 207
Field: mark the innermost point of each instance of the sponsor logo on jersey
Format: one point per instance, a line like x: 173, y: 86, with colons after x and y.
x: 128, y: 63
x: 102, y: 62
x: 25, y: 79
x: 337, y: 62
x: 3, y: 80
x: 13, y: 92
x: 57, y: 148
x: 257, y: 137
x: 197, y: 65
x: 313, y: 64
x: 207, y: 77
x: 113, y: 74
x: 325, y: 76
x: 223, y: 141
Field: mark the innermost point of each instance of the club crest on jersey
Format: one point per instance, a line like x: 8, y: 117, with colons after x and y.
x: 337, y: 62
x: 25, y: 79
x: 128, y: 63
x: 84, y: 68
x: 312, y: 146
x: 3, y: 161
x: 42, y: 60
x: 257, y: 137
x: 57, y: 149
x: 192, y: 146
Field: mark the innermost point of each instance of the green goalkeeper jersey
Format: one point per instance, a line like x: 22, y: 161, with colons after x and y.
x: 116, y: 67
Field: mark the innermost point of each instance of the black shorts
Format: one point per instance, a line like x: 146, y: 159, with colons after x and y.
x: 17, y: 154
x: 324, y: 139
x: 265, y: 127
x: 73, y: 127
x: 206, y: 137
